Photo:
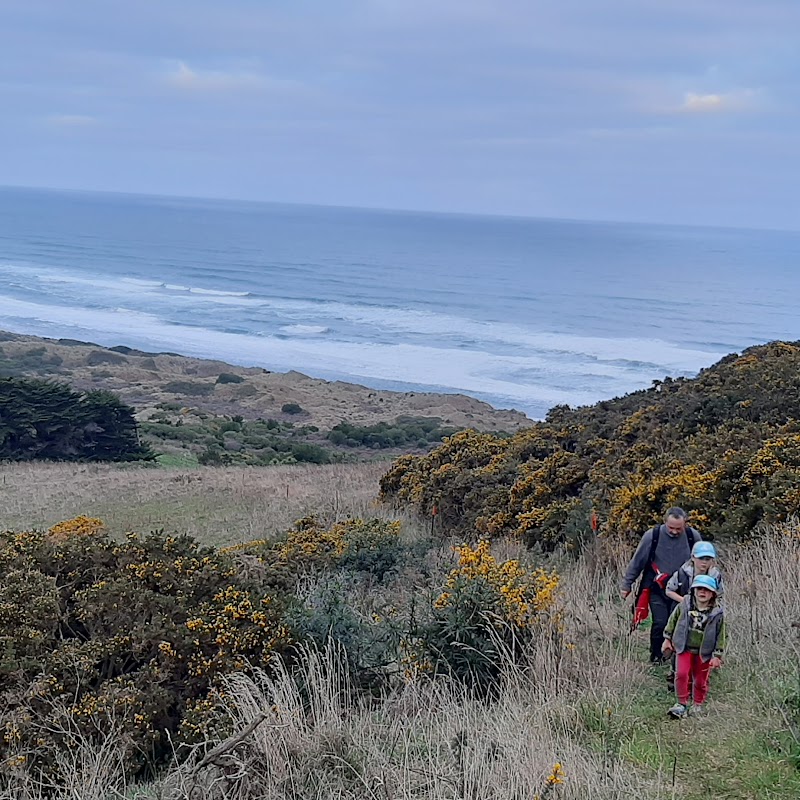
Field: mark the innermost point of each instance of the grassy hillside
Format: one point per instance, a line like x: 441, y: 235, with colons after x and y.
x: 580, y: 695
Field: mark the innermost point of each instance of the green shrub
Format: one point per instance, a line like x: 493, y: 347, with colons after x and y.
x: 328, y: 614
x: 310, y: 453
x: 177, y: 432
x: 291, y: 408
x: 229, y: 377
x: 98, y: 357
x: 124, y: 636
x: 189, y: 388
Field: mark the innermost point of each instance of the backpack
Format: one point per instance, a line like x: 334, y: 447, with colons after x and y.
x: 690, y: 537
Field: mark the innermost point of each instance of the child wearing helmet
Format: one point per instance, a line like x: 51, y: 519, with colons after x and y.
x: 702, y: 562
x: 695, y: 631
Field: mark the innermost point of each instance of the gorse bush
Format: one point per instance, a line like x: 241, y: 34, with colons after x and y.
x: 122, y: 636
x: 724, y: 445
x: 355, y: 544
x: 485, y: 619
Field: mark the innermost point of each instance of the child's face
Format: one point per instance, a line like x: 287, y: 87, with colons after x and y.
x: 704, y: 596
x: 702, y: 565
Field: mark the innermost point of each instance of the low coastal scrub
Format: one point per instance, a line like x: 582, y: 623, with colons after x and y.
x: 139, y: 639
x: 281, y: 700
x: 418, y: 432
x: 234, y: 441
x: 214, y: 440
x: 724, y: 445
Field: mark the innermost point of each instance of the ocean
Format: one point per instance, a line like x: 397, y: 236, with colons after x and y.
x: 522, y: 313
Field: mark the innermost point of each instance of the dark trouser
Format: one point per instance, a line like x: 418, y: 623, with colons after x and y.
x: 660, y: 607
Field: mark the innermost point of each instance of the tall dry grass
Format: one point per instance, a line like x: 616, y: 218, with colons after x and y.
x: 574, y: 704
x: 428, y: 740
x: 762, y: 606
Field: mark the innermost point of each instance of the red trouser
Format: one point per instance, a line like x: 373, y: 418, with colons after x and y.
x: 691, y: 667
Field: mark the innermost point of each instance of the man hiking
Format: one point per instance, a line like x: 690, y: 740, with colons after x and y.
x: 661, y: 551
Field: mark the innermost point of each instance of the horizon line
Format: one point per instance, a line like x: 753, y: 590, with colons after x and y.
x: 393, y: 210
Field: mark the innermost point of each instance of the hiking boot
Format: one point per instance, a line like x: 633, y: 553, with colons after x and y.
x: 696, y: 710
x: 678, y: 711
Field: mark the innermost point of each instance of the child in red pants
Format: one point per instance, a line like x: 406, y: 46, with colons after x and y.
x: 696, y: 633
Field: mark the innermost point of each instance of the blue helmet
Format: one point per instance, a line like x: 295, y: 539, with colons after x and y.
x: 704, y: 550
x: 705, y: 582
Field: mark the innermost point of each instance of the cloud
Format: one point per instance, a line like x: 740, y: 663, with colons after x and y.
x: 714, y: 103
x: 182, y: 76
x: 71, y: 120
x: 660, y: 98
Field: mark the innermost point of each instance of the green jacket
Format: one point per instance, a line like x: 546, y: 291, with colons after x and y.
x: 713, y: 632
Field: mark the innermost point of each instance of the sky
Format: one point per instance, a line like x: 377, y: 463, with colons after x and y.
x: 685, y: 111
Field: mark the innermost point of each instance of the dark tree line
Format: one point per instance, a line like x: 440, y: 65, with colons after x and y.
x: 47, y: 420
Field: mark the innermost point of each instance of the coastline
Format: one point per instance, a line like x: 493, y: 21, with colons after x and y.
x: 144, y: 379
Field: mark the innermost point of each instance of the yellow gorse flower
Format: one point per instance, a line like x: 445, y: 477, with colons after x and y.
x: 78, y: 526
x: 557, y: 774
x: 521, y: 594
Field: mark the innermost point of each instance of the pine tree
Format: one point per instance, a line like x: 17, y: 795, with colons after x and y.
x: 47, y: 420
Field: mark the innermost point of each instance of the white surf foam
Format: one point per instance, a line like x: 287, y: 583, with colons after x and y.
x: 217, y: 292
x: 657, y: 352
x: 142, y: 282
x: 469, y: 371
x: 304, y: 330
x: 123, y: 285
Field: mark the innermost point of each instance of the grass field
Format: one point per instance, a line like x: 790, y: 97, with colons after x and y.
x: 218, y: 506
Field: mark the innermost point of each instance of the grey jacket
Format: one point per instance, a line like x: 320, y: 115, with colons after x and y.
x: 681, y: 580
x: 677, y: 630
x: 671, y: 553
